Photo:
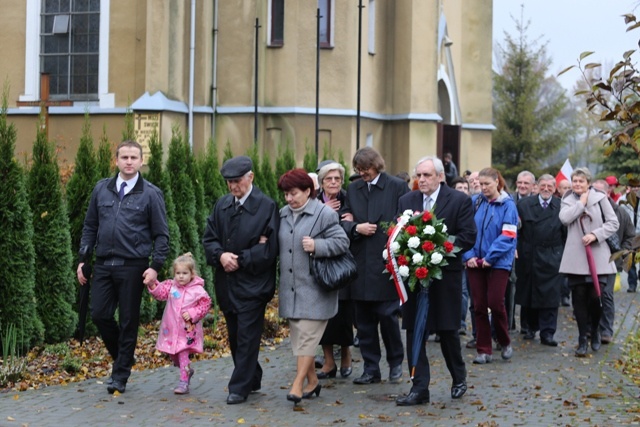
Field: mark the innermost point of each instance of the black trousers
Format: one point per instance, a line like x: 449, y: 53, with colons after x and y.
x: 586, y: 308
x: 245, y: 330
x: 370, y: 315
x: 544, y: 320
x: 118, y: 287
x: 450, y: 347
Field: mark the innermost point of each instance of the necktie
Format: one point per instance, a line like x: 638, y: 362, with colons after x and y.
x: 427, y: 203
x: 369, y: 185
x: 121, y: 192
x: 545, y: 204
x: 237, y: 205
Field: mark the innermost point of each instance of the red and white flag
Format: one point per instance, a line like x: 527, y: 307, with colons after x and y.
x: 565, y: 172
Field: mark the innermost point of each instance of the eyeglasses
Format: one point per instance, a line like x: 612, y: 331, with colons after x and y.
x: 360, y: 170
x: 332, y: 178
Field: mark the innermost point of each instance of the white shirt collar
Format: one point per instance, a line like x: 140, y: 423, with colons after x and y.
x: 130, y: 183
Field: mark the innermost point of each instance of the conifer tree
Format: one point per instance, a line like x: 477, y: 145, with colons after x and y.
x: 214, y: 184
x: 228, y: 152
x: 258, y: 179
x: 285, y: 162
x: 17, y: 271
x: 269, y: 177
x: 185, y: 202
x: 55, y: 280
x: 106, y: 164
x: 310, y: 162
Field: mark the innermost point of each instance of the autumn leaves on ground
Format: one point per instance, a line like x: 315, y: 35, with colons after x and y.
x: 68, y: 362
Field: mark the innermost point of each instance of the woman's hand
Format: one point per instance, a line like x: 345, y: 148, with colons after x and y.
x: 333, y: 204
x: 588, y: 239
x: 308, y: 244
x: 471, y: 262
x: 584, y: 197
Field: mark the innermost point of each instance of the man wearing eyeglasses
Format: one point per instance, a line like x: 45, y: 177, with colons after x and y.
x: 373, y: 200
x: 241, y: 242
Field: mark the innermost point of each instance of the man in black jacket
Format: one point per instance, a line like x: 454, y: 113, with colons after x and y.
x: 241, y: 242
x: 126, y: 223
x: 445, y: 296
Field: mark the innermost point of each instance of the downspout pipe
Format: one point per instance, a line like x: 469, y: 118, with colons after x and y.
x: 214, y: 77
x: 192, y: 49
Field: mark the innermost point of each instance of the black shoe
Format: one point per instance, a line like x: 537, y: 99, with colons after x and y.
x: 316, y: 391
x: 566, y: 302
x: 412, y: 399
x: 595, y: 340
x: 529, y: 335
x: 630, y: 289
x: 395, y: 374
x: 356, y: 341
x: 345, y: 372
x: 324, y: 375
x: 524, y: 331
x: 118, y: 386
x: 471, y: 343
x: 256, y: 388
x: 458, y: 390
x: 581, y: 351
x: 293, y: 398
x: 366, y: 379
x: 235, y: 398
x: 109, y: 381
x: 437, y: 338
x: 549, y: 341
x: 319, y: 362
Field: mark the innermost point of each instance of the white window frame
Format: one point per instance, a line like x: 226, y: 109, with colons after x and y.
x: 32, y: 55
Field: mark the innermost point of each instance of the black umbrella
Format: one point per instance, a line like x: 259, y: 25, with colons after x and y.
x: 420, y: 326
x: 83, y: 302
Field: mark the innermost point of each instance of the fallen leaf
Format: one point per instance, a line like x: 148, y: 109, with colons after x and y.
x: 240, y: 420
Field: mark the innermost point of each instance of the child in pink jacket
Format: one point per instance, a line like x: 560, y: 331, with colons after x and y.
x: 187, y: 303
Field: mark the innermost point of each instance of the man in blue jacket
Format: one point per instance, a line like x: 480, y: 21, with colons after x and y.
x: 126, y: 224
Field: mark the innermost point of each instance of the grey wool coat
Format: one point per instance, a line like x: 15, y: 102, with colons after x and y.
x: 574, y: 258
x: 299, y: 296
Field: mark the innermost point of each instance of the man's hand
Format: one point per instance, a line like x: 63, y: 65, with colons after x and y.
x: 229, y: 262
x: 366, y: 229
x: 263, y: 239
x: 347, y: 217
x: 80, y: 274
x: 150, y: 276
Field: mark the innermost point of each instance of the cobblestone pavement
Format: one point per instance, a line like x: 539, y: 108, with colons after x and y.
x: 541, y: 386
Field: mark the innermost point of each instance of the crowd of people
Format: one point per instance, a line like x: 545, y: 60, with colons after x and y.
x: 540, y: 247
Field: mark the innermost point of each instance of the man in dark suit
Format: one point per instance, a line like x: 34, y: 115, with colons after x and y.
x: 241, y: 242
x: 541, y: 240
x: 370, y: 201
x: 445, y: 296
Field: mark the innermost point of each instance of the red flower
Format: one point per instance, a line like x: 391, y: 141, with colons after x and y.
x: 422, y: 272
x: 412, y: 230
x: 426, y: 216
x: 428, y: 246
x: 402, y: 260
x: 390, y: 231
x: 448, y: 246
x: 389, y: 267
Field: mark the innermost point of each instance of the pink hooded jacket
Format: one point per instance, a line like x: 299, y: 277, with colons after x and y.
x: 175, y: 334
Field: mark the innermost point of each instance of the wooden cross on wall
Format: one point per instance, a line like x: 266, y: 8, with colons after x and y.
x: 44, y: 103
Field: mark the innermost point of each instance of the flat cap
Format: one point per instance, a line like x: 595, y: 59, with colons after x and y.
x: 634, y: 182
x: 236, y: 167
x: 324, y: 163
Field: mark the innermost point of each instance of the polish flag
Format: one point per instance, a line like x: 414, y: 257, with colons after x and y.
x: 565, y: 172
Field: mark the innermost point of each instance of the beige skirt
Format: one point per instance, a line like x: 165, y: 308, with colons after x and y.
x: 305, y: 335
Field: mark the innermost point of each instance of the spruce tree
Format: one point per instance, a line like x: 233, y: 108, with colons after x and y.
x: 105, y: 165
x: 185, y: 202
x: 17, y: 269
x: 55, y: 279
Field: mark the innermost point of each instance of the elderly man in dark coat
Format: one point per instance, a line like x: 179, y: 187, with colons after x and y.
x: 241, y: 242
x: 445, y: 296
x: 371, y: 201
x: 541, y: 241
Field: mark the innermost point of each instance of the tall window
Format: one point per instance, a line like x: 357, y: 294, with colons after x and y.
x: 276, y: 23
x: 372, y: 26
x: 69, y: 47
x: 325, y: 22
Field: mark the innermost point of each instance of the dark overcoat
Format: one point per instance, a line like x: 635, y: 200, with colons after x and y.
x: 380, y: 205
x: 445, y: 296
x: 541, y: 239
x: 228, y: 230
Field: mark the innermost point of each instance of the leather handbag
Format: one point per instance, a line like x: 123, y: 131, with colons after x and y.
x: 613, y: 241
x: 332, y: 273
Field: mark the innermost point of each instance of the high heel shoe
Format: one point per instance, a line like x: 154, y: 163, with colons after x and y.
x: 324, y: 375
x: 345, y: 372
x: 309, y: 394
x: 293, y: 398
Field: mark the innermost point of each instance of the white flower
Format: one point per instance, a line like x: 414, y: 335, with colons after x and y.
x: 429, y: 230
x: 395, y: 247
x: 385, y: 255
x: 408, y: 213
x: 413, y: 242
x: 417, y: 258
x: 444, y: 228
x: 403, y: 270
x: 436, y: 258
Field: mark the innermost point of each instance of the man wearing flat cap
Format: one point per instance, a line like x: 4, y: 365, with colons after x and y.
x: 241, y: 242
x: 632, y: 209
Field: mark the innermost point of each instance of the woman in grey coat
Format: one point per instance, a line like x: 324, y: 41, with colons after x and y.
x: 307, y: 228
x: 589, y: 206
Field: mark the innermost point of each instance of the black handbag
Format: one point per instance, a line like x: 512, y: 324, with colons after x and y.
x: 613, y: 241
x: 332, y: 273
